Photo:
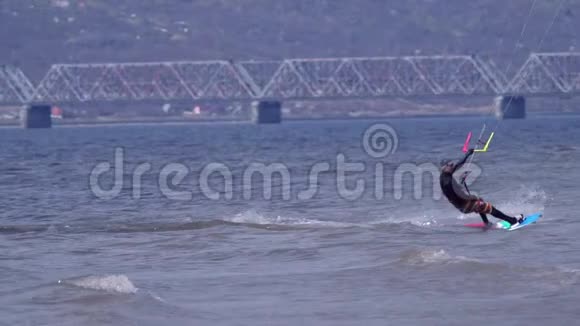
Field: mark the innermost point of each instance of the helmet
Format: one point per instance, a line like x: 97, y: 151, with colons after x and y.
x: 445, y: 162
x: 446, y: 165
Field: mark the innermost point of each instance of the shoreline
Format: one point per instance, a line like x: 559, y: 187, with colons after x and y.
x: 145, y: 121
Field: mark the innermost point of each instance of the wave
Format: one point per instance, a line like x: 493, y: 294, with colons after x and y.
x: 254, y: 218
x: 110, y: 227
x: 249, y: 219
x: 107, y: 283
x: 546, y: 276
x: 421, y: 221
x: 431, y: 256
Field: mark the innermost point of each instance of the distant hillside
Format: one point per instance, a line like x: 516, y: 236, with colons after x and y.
x: 35, y: 34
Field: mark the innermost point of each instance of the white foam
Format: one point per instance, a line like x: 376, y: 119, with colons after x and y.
x: 434, y: 256
x: 109, y: 283
x: 429, y: 256
x: 424, y: 221
x: 157, y: 297
x: 252, y: 217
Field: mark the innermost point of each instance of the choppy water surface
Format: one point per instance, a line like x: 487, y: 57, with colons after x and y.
x: 314, y: 253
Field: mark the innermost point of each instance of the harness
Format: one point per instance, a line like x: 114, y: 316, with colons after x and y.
x: 463, y: 180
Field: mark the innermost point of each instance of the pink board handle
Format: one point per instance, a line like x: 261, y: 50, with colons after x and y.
x: 466, y: 144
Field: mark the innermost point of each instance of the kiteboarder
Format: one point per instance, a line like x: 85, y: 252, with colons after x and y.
x: 466, y: 202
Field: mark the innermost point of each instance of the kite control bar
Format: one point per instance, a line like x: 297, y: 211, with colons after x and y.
x: 479, y: 142
x: 481, y: 150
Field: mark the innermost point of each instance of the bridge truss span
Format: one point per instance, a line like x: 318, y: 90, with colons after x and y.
x: 333, y: 78
x: 15, y: 87
x: 548, y: 74
x: 543, y: 74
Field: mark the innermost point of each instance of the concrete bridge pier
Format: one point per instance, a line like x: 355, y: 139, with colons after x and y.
x: 510, y: 107
x: 36, y: 116
x: 267, y: 112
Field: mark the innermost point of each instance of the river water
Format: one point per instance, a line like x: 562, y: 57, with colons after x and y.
x: 311, y: 223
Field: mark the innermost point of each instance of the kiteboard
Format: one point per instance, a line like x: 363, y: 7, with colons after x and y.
x: 529, y: 219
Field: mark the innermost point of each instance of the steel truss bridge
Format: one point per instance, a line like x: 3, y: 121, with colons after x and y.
x: 542, y: 74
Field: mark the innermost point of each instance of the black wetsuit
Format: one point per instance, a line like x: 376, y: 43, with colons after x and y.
x: 466, y: 202
x: 454, y: 192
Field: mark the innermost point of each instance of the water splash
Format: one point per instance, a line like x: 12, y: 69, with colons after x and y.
x: 431, y: 256
x: 422, y: 221
x: 253, y: 217
x: 525, y: 200
x: 108, y: 283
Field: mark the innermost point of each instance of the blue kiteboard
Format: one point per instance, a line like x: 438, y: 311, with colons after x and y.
x: 529, y: 219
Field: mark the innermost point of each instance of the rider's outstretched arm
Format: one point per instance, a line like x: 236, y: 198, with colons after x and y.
x: 463, y: 160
